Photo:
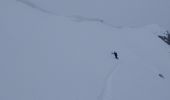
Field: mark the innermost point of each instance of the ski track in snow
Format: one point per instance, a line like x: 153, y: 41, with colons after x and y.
x: 107, y: 79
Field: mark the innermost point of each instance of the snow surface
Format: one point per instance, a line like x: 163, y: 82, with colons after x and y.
x: 50, y: 57
x: 129, y: 13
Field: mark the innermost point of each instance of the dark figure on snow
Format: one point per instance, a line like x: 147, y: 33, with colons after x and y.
x: 115, y: 54
x: 160, y: 75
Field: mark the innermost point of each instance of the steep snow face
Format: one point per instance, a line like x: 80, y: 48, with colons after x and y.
x: 49, y: 57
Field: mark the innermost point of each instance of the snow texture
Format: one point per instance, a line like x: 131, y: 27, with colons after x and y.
x: 47, y: 56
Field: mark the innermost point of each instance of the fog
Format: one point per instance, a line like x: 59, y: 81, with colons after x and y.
x: 127, y: 13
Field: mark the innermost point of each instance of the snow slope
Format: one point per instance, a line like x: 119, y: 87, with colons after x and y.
x: 129, y: 13
x: 49, y: 57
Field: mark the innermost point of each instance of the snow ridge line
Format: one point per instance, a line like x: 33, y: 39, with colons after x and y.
x: 34, y: 6
x: 77, y: 18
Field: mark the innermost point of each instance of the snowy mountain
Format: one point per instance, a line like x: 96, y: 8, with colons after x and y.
x: 45, y: 56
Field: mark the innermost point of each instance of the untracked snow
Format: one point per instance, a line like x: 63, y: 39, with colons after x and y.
x: 49, y: 57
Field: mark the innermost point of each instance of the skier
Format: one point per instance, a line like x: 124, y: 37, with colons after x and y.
x: 160, y: 75
x: 115, y: 54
